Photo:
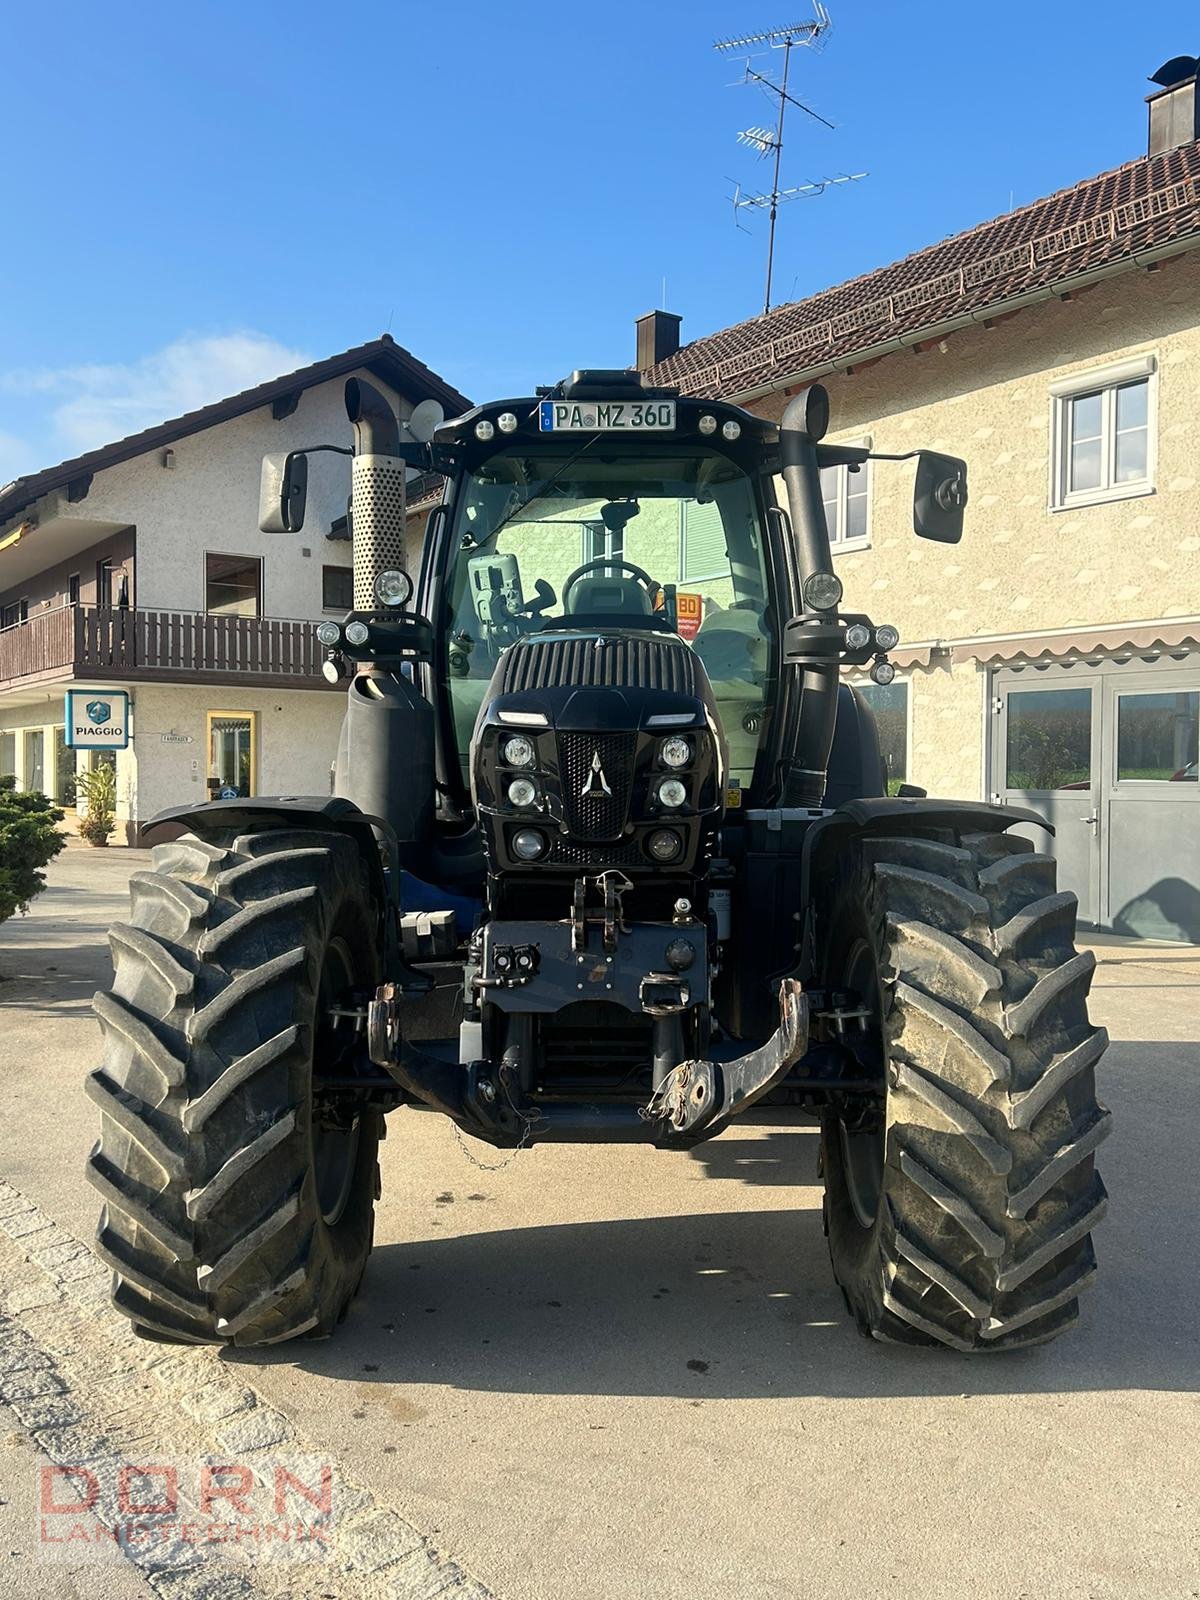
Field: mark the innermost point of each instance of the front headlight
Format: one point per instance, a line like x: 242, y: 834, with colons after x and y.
x: 517, y: 751
x: 529, y: 845
x: 676, y: 751
x: 522, y: 792
x: 672, y: 792
x: 664, y: 844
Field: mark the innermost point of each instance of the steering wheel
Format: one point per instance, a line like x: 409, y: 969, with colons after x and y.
x: 601, y: 562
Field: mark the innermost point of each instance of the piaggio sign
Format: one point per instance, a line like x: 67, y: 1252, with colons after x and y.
x: 97, y: 719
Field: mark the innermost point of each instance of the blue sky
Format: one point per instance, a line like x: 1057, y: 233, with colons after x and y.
x: 199, y: 197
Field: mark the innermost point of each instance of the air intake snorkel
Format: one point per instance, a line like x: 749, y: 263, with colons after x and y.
x: 377, y: 491
x: 803, y: 425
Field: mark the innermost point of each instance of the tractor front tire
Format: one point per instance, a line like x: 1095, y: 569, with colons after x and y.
x: 236, y: 1210
x: 959, y: 1212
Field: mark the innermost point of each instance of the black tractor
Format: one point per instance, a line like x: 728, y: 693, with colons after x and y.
x: 610, y: 856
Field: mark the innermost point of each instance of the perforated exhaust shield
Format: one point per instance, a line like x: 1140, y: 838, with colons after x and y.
x: 377, y: 488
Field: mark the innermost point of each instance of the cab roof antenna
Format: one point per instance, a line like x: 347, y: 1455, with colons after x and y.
x: 769, y: 142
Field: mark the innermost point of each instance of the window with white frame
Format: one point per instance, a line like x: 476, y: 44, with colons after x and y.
x: 600, y: 542
x: 702, y: 552
x: 847, y: 496
x: 1104, y: 434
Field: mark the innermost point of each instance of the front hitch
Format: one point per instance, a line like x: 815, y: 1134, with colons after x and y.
x: 697, y: 1098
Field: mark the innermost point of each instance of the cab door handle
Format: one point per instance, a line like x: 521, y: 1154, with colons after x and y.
x: 1093, y: 819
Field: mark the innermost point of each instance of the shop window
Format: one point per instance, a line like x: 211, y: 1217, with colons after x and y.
x: 233, y: 585
x: 337, y: 588
x: 1104, y: 434
x: 232, y: 758
x: 35, y: 760
x: 64, y: 769
x: 889, y: 705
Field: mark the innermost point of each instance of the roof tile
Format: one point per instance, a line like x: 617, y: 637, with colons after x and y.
x: 1102, y: 221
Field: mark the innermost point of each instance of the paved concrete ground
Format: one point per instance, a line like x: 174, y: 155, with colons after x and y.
x: 622, y: 1373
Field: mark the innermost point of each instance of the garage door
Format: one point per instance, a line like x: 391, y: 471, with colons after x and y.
x: 1107, y: 752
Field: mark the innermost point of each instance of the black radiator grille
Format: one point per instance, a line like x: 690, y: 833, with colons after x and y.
x: 591, y: 663
x: 596, y: 774
x: 566, y: 853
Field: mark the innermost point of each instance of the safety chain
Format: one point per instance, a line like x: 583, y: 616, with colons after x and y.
x: 529, y: 1118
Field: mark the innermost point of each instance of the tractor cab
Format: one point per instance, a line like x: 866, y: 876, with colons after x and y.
x: 656, y: 530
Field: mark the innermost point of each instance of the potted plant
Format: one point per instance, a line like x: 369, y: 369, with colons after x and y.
x: 99, y: 789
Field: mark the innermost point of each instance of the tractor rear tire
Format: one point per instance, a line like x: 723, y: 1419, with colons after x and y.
x: 960, y: 1213
x: 234, y: 1211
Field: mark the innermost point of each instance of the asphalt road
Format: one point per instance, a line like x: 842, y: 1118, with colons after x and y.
x: 623, y: 1373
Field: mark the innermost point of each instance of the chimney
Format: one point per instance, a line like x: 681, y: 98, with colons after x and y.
x: 657, y: 338
x: 1174, y: 108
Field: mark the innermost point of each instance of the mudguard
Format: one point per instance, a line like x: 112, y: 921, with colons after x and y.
x: 900, y: 814
x: 222, y: 818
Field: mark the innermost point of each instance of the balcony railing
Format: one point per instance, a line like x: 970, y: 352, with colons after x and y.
x: 101, y: 642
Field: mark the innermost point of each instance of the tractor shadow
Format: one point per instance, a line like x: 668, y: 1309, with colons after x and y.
x: 738, y: 1301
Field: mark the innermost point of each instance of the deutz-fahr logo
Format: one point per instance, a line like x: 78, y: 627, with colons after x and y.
x: 597, y: 783
x: 98, y: 711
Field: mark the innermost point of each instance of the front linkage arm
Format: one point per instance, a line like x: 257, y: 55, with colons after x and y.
x: 697, y: 1098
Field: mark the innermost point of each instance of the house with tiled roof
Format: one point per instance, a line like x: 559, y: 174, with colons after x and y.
x: 136, y: 578
x: 1053, y: 658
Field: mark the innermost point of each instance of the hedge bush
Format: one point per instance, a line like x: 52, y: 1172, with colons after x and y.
x: 29, y: 838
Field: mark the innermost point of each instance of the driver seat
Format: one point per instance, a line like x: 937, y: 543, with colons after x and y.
x: 608, y: 594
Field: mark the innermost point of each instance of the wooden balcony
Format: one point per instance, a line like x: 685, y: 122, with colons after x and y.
x: 92, y: 643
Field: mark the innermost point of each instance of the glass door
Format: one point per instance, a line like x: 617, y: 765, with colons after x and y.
x: 1047, y: 759
x: 232, y: 764
x: 1151, y: 804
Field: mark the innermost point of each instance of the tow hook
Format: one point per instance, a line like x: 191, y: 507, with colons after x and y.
x: 697, y: 1098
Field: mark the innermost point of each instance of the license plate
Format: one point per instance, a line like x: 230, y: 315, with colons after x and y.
x: 606, y: 416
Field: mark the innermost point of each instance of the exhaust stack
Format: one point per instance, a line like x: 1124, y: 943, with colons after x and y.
x: 376, y: 490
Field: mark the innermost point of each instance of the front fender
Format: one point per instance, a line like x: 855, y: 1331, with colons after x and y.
x: 223, y: 819
x: 898, y: 814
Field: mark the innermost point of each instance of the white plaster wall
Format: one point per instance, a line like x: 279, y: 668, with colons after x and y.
x: 985, y: 396
x: 208, y: 501
x: 297, y: 740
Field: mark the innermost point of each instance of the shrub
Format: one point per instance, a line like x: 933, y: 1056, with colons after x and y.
x: 99, y: 789
x: 29, y: 838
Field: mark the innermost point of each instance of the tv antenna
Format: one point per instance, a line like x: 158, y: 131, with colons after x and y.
x: 768, y: 141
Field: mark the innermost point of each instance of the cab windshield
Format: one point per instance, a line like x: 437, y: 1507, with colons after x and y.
x: 669, y: 541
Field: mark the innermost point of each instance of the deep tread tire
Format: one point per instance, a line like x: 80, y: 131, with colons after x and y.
x: 212, y: 1222
x: 982, y: 1237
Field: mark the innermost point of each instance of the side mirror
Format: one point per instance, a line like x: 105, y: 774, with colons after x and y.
x: 283, y: 492
x: 940, y: 497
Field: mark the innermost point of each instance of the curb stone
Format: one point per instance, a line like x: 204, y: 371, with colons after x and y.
x: 371, y: 1538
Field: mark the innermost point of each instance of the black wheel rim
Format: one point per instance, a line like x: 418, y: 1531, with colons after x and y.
x: 335, y: 1149
x: 862, y: 1148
